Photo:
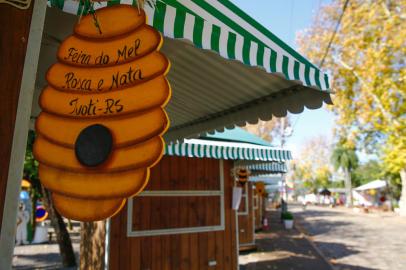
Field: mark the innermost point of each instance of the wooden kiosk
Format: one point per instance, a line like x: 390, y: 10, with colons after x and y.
x: 227, y: 70
x: 184, y: 218
x: 260, y: 198
x: 252, y: 205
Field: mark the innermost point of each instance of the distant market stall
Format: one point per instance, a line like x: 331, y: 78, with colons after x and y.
x: 226, y: 70
x: 374, y: 193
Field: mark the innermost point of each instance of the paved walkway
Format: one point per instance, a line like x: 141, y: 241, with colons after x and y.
x: 356, y: 241
x: 44, y: 256
x: 282, y: 249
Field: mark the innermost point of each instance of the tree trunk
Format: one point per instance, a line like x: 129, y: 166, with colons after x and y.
x: 33, y: 223
x: 402, y: 201
x: 62, y: 235
x: 92, y: 245
x: 348, y: 188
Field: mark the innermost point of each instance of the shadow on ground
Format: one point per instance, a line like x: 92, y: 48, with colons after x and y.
x: 321, y: 226
x: 282, y: 249
x: 351, y: 267
x: 292, y: 262
x: 336, y: 250
x: 295, y: 263
x: 51, y: 260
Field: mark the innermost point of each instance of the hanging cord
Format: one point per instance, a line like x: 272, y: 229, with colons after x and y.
x: 334, y: 33
x: 95, y: 20
x: 88, y: 7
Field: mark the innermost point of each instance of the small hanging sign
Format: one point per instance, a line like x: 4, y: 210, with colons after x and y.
x: 102, y: 120
x: 242, y: 176
x: 260, y: 188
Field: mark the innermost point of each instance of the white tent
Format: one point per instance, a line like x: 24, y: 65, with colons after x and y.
x: 377, y: 184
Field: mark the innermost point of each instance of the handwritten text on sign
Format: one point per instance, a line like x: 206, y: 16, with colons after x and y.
x: 97, y: 67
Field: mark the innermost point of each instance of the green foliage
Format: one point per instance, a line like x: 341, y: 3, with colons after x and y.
x: 365, y: 173
x: 344, y: 157
x: 287, y: 215
x: 311, y: 167
x: 336, y: 184
x: 395, y: 183
x: 31, y: 167
x: 31, y: 175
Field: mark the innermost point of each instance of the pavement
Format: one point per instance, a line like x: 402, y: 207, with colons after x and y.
x: 44, y: 256
x: 278, y: 248
x: 353, y: 240
x: 323, y: 239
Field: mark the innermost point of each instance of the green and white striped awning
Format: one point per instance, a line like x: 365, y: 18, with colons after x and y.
x: 227, y: 150
x: 220, y: 26
x: 227, y: 70
x: 268, y: 168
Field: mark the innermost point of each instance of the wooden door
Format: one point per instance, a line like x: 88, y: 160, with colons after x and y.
x: 246, y: 226
x: 257, y: 202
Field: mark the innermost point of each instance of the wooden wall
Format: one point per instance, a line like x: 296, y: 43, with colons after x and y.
x: 14, y: 31
x: 178, y: 251
x: 246, y: 221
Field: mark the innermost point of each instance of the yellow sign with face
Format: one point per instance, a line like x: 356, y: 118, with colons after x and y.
x: 102, y: 120
x: 260, y: 187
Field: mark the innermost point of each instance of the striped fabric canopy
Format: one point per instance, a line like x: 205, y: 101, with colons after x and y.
x: 226, y: 150
x: 220, y: 26
x: 267, y: 168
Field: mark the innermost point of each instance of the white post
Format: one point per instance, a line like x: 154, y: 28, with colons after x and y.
x: 402, y: 201
x: 8, y: 228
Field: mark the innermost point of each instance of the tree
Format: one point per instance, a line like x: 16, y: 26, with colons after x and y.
x: 38, y: 191
x: 310, y: 165
x: 31, y: 175
x: 92, y: 245
x: 366, y: 58
x: 367, y: 172
x: 273, y: 131
x: 345, y: 158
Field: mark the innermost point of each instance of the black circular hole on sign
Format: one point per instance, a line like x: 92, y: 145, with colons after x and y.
x: 93, y: 145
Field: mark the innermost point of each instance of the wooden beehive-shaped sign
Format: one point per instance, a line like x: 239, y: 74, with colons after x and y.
x: 242, y: 176
x: 102, y: 120
x: 260, y: 187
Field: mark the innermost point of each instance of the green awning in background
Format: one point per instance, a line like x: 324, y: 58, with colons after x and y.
x: 268, y: 168
x: 236, y: 135
x: 227, y: 150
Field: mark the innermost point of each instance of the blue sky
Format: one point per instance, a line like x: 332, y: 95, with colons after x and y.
x: 285, y: 18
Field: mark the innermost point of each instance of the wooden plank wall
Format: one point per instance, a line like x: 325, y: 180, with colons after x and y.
x: 246, y: 222
x: 179, y: 251
x: 14, y: 31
